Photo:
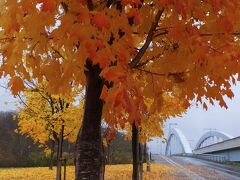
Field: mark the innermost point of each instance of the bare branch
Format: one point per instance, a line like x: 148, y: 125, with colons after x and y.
x: 90, y: 5
x: 220, y: 33
x: 201, y: 34
x: 142, y: 51
x: 58, y: 53
x: 174, y: 74
x: 148, y: 60
x: 18, y: 95
x: 70, y: 132
x: 149, y: 72
x: 4, y: 87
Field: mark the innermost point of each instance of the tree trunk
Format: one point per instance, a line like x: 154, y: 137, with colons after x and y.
x: 52, y: 153
x: 145, y: 153
x: 59, y: 158
x: 135, y: 152
x: 140, y: 162
x: 108, y: 153
x: 104, y: 160
x: 89, y: 156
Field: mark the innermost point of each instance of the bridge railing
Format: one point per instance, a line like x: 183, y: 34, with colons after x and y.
x: 209, y: 157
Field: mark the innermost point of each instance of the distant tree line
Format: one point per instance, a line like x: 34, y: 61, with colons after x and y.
x: 17, y: 150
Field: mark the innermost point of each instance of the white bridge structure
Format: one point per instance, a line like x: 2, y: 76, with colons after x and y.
x: 177, y: 143
x: 214, y: 143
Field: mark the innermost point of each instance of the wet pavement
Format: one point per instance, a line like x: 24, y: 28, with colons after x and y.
x: 196, y: 169
x: 232, y: 172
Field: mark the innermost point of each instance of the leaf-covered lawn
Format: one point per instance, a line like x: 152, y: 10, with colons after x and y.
x: 119, y: 172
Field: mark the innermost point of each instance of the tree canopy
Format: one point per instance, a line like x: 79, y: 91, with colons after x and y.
x: 145, y: 49
x: 129, y: 55
x: 42, y: 118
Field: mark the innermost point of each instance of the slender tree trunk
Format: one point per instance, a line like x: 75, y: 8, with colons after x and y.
x: 52, y: 153
x: 140, y: 161
x: 135, y: 152
x: 59, y: 159
x: 104, y: 160
x: 58, y: 149
x: 89, y: 156
x: 145, y: 153
x: 58, y: 171
x: 108, y: 153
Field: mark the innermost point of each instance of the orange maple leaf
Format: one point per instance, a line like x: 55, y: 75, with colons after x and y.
x: 205, y: 106
x: 83, y: 15
x: 134, y: 13
x: 16, y: 85
x: 101, y: 21
x: 13, y: 26
x: 48, y: 5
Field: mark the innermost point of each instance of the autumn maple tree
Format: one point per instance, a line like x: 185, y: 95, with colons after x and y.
x: 126, y: 53
x: 48, y: 119
x: 172, y: 105
x: 37, y: 120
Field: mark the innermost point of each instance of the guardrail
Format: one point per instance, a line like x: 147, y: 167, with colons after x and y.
x: 209, y: 157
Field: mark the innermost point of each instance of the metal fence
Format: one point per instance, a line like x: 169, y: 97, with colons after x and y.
x: 209, y: 157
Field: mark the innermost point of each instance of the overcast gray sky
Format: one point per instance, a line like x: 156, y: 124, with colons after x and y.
x: 196, y: 121
x: 193, y: 124
x: 7, y: 101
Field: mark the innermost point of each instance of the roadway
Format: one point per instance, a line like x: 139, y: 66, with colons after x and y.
x: 195, y: 169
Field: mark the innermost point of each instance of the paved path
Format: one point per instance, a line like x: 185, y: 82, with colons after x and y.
x: 227, y: 172
x: 195, y: 169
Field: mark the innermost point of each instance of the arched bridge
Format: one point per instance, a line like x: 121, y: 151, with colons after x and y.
x: 211, y: 142
x: 212, y: 137
x: 177, y: 143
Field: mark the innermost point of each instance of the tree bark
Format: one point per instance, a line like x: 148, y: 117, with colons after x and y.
x: 109, y: 153
x: 135, y: 152
x: 104, y: 160
x: 145, y: 153
x: 140, y: 161
x: 59, y: 158
x: 52, y: 154
x: 89, y: 156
